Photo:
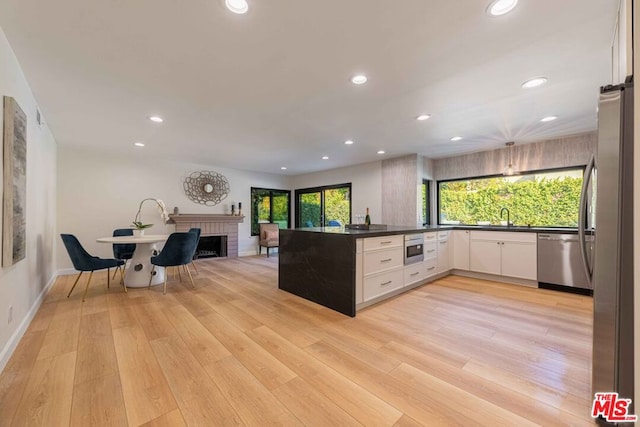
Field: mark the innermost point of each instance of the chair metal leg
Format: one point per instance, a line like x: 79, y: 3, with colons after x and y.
x: 86, y: 288
x: 179, y: 275
x: 194, y: 266
x: 122, y: 280
x: 108, y: 277
x: 191, y: 278
x: 115, y: 271
x: 164, y: 292
x: 124, y: 271
x: 74, y: 284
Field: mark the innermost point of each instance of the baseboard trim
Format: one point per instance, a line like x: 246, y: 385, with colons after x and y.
x: 496, y: 278
x: 66, y: 272
x: 11, y: 345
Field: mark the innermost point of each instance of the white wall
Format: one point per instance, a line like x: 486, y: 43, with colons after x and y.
x: 22, y: 285
x: 366, y: 186
x: 100, y: 192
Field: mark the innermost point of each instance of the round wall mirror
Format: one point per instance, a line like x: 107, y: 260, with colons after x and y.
x: 208, y: 188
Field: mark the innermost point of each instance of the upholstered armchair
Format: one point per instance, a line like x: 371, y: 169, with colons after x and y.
x: 269, y: 237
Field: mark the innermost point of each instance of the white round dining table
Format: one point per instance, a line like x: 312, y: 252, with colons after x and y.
x: 139, y: 266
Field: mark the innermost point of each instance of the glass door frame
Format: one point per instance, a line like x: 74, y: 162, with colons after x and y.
x: 320, y: 190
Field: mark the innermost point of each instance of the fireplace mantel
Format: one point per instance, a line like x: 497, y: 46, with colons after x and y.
x: 211, y: 225
x: 182, y: 218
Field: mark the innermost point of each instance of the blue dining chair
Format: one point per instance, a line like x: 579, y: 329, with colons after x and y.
x: 123, y: 251
x: 177, y: 251
x: 196, y: 231
x: 83, y: 261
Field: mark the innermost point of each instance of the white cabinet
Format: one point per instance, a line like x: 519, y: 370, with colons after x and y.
x: 383, y: 268
x: 430, y: 250
x: 485, y: 256
x: 519, y: 259
x: 414, y: 273
x: 430, y: 268
x: 383, y: 283
x: 504, y: 253
x: 443, y: 255
x: 381, y: 260
x: 460, y: 249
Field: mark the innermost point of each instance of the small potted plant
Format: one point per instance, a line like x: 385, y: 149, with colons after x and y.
x: 139, y: 228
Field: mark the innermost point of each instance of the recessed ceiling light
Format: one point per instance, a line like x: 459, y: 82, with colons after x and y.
x: 500, y: 7
x: 359, y: 79
x: 348, y: 142
x: 456, y: 138
x: 548, y: 119
x: 422, y: 117
x: 538, y: 81
x: 381, y: 152
x: 284, y: 168
x: 237, y: 6
x: 325, y: 157
x: 156, y: 119
x: 138, y: 144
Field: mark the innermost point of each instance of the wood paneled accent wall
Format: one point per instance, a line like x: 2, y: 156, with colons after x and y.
x: 211, y: 225
x: 553, y: 153
x: 399, y: 191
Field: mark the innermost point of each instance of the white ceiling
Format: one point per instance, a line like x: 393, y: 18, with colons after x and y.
x: 271, y: 88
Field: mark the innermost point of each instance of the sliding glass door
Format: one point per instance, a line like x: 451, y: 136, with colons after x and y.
x: 323, y: 206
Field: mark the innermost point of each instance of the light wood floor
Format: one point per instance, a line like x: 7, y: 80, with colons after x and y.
x: 238, y: 351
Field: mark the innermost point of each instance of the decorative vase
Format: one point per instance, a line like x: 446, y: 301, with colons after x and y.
x: 176, y: 211
x: 138, y: 232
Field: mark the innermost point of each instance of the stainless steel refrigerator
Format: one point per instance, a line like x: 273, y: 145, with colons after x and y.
x: 607, y: 214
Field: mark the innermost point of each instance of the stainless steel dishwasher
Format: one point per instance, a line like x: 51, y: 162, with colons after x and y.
x: 560, y: 262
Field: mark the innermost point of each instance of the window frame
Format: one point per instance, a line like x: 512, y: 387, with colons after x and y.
x: 321, y: 189
x: 426, y: 203
x: 271, y: 194
x: 498, y: 175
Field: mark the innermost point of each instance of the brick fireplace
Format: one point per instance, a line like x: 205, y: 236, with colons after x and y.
x: 211, y: 225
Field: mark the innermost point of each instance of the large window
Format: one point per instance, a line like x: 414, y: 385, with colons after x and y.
x: 548, y: 198
x: 323, y: 206
x: 268, y: 205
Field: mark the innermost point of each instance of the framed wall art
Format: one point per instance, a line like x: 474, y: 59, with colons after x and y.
x: 14, y: 207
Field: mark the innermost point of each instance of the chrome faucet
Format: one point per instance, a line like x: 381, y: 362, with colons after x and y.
x: 508, y: 214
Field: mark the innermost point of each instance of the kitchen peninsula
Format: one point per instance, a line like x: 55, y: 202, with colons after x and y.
x: 325, y: 264
x: 347, y: 270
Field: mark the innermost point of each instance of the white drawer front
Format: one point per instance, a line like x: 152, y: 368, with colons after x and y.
x: 430, y: 268
x: 430, y: 250
x: 373, y: 243
x: 413, y: 273
x: 386, y: 259
x: 443, y: 235
x: 430, y: 237
x: 380, y: 284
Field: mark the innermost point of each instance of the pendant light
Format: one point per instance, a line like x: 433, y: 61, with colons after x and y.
x: 508, y: 170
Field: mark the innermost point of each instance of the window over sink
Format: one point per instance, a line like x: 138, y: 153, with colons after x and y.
x: 546, y: 198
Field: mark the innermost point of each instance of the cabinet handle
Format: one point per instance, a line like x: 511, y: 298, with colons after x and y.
x: 431, y: 250
x: 386, y: 260
x: 442, y: 243
x: 386, y: 242
x: 430, y: 268
x: 386, y: 283
x: 415, y: 274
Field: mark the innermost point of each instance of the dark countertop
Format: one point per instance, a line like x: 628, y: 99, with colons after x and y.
x: 396, y: 229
